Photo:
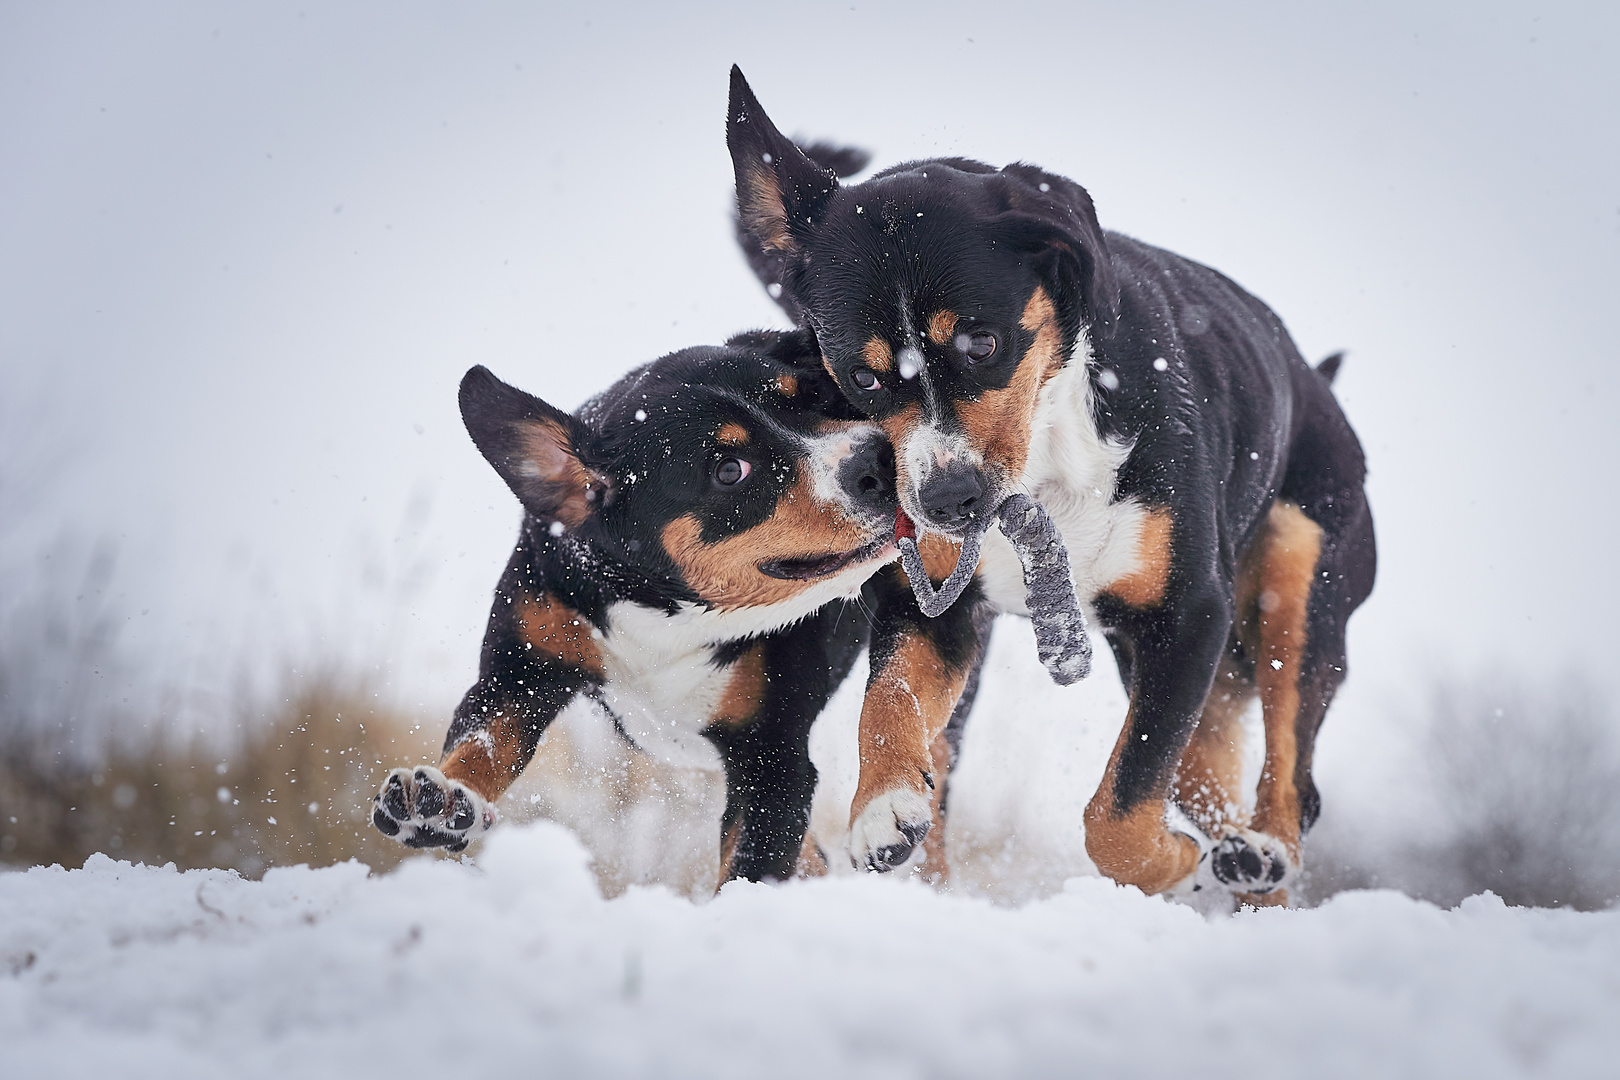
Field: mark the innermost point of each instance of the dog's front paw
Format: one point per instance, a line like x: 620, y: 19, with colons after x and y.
x: 1251, y: 862
x: 423, y: 808
x: 890, y: 831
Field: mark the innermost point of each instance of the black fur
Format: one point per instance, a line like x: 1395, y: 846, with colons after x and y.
x: 645, y: 452
x: 1223, y: 415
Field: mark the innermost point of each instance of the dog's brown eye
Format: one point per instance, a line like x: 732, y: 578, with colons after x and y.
x: 732, y: 471
x: 979, y: 345
x: 865, y: 378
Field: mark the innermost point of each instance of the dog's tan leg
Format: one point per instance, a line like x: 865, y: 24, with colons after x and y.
x: 1132, y: 845
x: 1293, y: 545
x: 909, y: 699
x: 496, y: 727
x: 812, y: 861
x: 1260, y: 860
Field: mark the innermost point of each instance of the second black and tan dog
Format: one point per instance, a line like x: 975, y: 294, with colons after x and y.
x: 691, y: 543
x: 1207, y: 485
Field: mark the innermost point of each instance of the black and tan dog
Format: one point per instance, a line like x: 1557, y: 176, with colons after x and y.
x: 691, y: 542
x: 1206, y: 482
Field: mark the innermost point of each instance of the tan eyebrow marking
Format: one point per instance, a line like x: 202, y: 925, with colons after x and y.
x: 878, y: 355
x: 941, y: 324
x: 732, y: 434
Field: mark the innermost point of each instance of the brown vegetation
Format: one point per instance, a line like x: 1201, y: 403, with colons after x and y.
x: 296, y: 789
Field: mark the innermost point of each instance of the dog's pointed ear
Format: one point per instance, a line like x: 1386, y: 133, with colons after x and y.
x: 1053, y: 218
x: 780, y: 191
x: 534, y: 447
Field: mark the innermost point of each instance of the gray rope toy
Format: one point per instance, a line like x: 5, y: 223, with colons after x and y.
x: 1061, y: 640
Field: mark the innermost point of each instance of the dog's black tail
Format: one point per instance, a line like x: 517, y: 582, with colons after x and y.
x: 1329, y: 368
x: 842, y: 161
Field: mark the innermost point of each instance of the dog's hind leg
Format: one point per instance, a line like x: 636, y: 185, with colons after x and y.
x: 1281, y: 571
x: 1343, y: 579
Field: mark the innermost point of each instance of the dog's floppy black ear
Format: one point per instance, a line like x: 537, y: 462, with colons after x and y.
x: 780, y: 191
x: 1053, y: 216
x: 534, y: 447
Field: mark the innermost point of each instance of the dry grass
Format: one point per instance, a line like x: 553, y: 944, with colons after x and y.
x: 296, y: 789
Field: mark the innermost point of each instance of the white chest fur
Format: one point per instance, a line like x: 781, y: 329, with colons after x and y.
x: 658, y: 672
x: 1071, y: 472
x: 661, y: 683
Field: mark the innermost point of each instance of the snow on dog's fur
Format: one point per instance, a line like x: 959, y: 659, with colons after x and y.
x: 1207, y: 485
x: 691, y: 544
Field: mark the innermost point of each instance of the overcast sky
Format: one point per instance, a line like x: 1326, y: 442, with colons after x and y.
x: 246, y: 253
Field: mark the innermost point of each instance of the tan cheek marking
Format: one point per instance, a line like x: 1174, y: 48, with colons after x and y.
x: 489, y: 767
x: 745, y: 690
x: 1144, y: 587
x: 908, y: 703
x: 762, y: 210
x: 548, y: 450
x: 941, y: 325
x: 1290, y: 549
x: 1135, y: 848
x: 1001, y: 422
x: 878, y: 355
x: 555, y: 630
x: 787, y: 385
x: 732, y: 435
x: 726, y: 573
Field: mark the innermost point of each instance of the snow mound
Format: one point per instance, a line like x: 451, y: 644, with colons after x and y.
x: 514, y: 961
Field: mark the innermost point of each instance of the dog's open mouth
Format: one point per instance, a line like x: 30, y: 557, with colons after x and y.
x: 820, y: 566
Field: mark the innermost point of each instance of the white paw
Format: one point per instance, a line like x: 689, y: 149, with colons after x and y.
x: 421, y: 808
x: 1245, y: 861
x: 890, y: 831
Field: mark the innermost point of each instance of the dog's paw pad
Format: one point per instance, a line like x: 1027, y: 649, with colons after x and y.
x: 889, y: 833
x: 423, y: 808
x: 1252, y: 863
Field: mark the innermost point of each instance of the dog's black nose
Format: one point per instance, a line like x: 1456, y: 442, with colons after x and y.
x: 952, y: 496
x: 867, y: 477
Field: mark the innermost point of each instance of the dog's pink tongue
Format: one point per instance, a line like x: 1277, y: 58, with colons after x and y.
x: 903, y: 526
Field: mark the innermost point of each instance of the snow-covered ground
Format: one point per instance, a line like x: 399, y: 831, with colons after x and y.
x: 514, y: 960
x: 514, y: 964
